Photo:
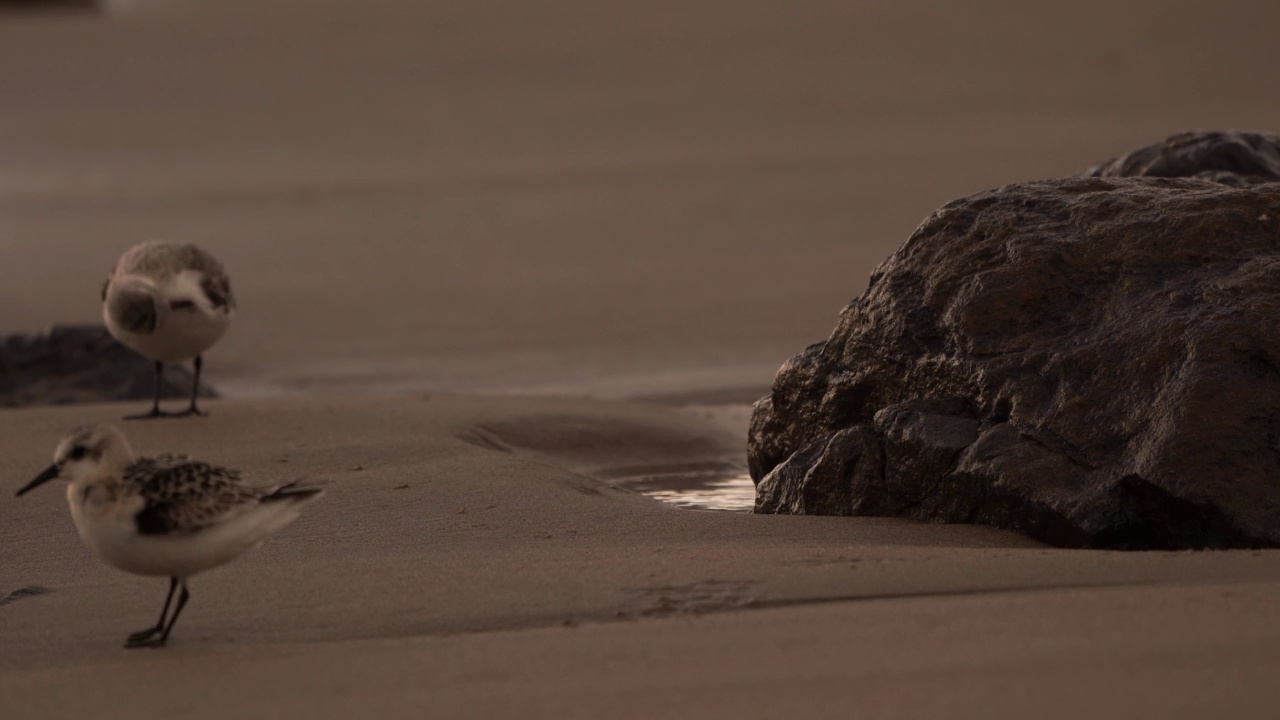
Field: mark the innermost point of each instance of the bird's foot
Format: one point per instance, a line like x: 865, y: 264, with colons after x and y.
x: 145, y: 643
x: 146, y: 638
x: 156, y: 414
x: 152, y: 415
x: 145, y: 634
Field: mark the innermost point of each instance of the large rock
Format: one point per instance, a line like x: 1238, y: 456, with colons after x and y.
x: 81, y: 363
x: 1094, y: 362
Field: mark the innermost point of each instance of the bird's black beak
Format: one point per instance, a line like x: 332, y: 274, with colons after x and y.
x: 42, y: 478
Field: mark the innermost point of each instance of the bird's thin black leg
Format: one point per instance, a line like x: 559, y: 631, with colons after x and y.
x: 195, y: 389
x: 142, y: 635
x: 155, y: 404
x: 182, y: 602
x: 153, y: 641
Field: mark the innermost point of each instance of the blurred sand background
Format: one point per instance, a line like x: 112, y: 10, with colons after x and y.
x: 563, y: 195
x: 467, y: 240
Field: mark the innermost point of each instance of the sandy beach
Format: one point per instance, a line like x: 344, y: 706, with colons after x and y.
x: 452, y: 573
x: 496, y: 263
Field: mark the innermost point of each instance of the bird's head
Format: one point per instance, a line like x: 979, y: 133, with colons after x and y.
x: 86, y: 453
x: 134, y: 303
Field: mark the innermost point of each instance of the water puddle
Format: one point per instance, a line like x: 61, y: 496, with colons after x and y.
x: 711, y: 489
x: 712, y: 475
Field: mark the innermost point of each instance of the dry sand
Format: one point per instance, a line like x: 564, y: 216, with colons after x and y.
x: 519, y: 206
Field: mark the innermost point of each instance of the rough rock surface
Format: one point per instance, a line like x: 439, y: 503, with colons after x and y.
x: 1094, y: 362
x: 1230, y: 158
x: 81, y: 363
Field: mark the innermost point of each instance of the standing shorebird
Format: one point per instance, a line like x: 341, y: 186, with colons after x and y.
x: 168, y: 303
x: 166, y: 515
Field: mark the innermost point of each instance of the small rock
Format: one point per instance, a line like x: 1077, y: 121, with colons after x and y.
x: 68, y: 364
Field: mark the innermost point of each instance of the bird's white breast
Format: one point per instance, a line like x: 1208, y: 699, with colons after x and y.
x: 109, y: 530
x: 180, y: 333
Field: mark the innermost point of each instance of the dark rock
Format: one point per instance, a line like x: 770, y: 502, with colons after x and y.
x: 81, y: 363
x: 48, y: 5
x: 1094, y: 362
x: 830, y: 476
x: 922, y: 440
x: 1229, y: 158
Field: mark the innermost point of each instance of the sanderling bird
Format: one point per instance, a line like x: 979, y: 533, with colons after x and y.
x: 163, y: 516
x: 168, y: 303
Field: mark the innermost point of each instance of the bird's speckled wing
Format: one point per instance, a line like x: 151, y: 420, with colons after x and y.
x: 184, y: 496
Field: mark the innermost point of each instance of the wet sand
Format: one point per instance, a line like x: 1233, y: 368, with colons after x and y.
x: 497, y: 260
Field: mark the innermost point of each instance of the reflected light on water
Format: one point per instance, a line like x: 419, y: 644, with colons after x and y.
x: 701, y: 491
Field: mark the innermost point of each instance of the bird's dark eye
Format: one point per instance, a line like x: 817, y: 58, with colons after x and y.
x: 77, y: 452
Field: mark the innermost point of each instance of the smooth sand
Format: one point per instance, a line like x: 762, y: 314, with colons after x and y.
x: 450, y: 571
x: 511, y: 205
